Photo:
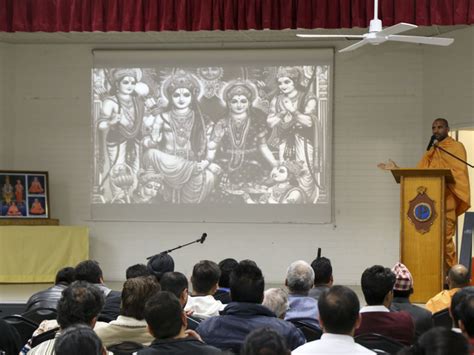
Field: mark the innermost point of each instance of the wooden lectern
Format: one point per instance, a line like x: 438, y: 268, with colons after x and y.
x: 422, y: 219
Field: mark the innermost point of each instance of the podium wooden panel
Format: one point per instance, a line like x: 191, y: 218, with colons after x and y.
x: 423, y: 253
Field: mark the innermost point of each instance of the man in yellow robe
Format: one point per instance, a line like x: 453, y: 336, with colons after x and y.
x: 457, y: 195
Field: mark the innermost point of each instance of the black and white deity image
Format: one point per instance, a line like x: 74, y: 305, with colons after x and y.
x: 215, y: 135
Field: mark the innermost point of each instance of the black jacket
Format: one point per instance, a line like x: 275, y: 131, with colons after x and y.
x: 179, y: 347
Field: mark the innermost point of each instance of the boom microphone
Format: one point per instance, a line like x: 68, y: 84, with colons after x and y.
x: 432, y: 142
x: 203, y: 238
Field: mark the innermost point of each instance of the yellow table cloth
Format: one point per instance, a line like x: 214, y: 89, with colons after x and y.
x: 33, y: 254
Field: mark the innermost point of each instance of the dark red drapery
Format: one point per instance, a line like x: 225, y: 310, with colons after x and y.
x: 197, y: 15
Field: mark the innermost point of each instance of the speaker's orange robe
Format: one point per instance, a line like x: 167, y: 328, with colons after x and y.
x: 458, y: 195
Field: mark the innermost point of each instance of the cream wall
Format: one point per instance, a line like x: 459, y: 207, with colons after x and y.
x: 378, y: 111
x: 6, y: 109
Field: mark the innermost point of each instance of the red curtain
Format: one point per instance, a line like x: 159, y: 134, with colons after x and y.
x: 197, y: 15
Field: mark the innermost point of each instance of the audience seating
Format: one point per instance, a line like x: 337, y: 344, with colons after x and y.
x: 25, y: 327
x: 309, y: 331
x: 125, y: 348
x: 48, y: 335
x: 38, y: 315
x: 442, y: 319
x: 379, y: 343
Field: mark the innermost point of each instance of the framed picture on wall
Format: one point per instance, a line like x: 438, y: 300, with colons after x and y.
x: 24, y: 194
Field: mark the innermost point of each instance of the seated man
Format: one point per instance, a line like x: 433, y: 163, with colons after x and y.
x: 159, y: 264
x: 246, y: 313
x: 167, y: 323
x: 377, y: 286
x: 130, y: 324
x: 264, y: 341
x: 402, y: 290
x: 276, y: 300
x: 90, y: 271
x: 339, y: 317
x: 223, y: 292
x: 299, y: 280
x: 80, y: 303
x: 205, y: 280
x: 455, y: 308
x: 136, y: 271
x: 458, y: 277
x: 323, y: 279
x: 10, y: 340
x: 49, y: 298
x: 79, y: 339
x: 466, y: 316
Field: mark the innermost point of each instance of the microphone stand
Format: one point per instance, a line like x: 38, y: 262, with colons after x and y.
x: 200, y: 240
x: 454, y: 156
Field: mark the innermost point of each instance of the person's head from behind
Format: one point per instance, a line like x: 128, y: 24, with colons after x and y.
x: 339, y: 310
x: 247, y: 283
x: 65, y: 276
x: 136, y: 291
x: 322, y: 271
x: 165, y: 316
x: 136, y: 270
x: 159, y: 264
x: 226, y: 266
x: 403, y: 286
x: 458, y: 277
x: 78, y: 339
x: 299, y: 277
x: 264, y: 341
x: 80, y: 303
x: 205, y: 278
x: 466, y: 320
x: 377, y: 285
x: 438, y: 341
x: 90, y: 271
x: 455, y: 307
x: 177, y: 284
x: 276, y: 300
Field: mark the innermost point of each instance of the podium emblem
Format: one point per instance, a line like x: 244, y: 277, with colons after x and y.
x: 421, y: 211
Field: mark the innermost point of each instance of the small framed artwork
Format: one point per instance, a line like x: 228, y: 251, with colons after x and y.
x: 24, y: 194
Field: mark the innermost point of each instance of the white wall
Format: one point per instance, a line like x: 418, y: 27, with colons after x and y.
x: 378, y: 114
x: 6, y: 109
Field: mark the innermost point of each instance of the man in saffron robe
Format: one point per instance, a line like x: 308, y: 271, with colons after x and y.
x: 457, y: 195
x: 13, y: 210
x: 36, y: 187
x: 36, y: 207
x: 19, y: 191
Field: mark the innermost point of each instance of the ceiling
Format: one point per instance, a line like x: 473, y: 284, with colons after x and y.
x: 203, y: 37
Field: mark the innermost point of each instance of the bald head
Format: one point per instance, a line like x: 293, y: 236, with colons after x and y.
x: 458, y: 276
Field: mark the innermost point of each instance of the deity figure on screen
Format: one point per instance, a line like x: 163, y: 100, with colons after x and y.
x: 150, y: 187
x: 13, y: 210
x: 7, y: 191
x: 36, y: 207
x: 176, y: 144
x: 19, y: 190
x: 35, y: 187
x: 292, y: 119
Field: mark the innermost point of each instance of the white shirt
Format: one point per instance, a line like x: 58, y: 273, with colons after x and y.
x: 367, y: 309
x: 204, y: 306
x: 332, y: 344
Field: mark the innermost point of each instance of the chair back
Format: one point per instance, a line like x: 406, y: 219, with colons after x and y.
x: 379, y: 343
x: 310, y: 331
x: 442, y: 319
x: 125, y: 348
x: 47, y: 335
x: 40, y: 314
x: 24, y: 326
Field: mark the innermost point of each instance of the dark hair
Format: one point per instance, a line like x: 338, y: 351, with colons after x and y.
x: 456, y: 301
x: 66, y: 275
x: 264, y: 341
x: 247, y: 283
x: 444, y: 120
x: 163, y: 314
x: 467, y: 314
x: 339, y: 309
x: 136, y: 291
x: 377, y: 281
x: 174, y: 282
x: 205, y: 275
x: 89, y: 270
x: 322, y: 270
x: 159, y: 264
x: 136, y: 270
x: 80, y: 302
x: 226, y: 266
x: 78, y: 339
x: 438, y: 341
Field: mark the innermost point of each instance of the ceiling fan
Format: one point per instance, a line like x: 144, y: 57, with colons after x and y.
x: 377, y: 35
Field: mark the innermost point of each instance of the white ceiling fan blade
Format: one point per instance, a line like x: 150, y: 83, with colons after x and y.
x: 301, y: 35
x: 354, y: 46
x: 398, y: 28
x: 437, y: 41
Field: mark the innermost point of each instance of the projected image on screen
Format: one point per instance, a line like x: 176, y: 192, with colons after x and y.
x: 247, y: 135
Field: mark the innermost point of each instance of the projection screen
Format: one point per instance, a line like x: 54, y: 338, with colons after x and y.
x: 212, y: 135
